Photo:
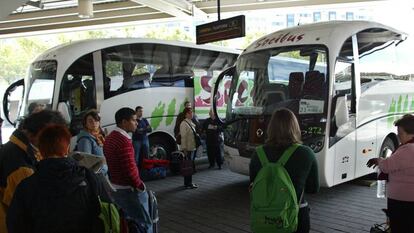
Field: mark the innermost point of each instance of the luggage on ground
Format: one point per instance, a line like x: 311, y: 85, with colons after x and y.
x: 175, y: 161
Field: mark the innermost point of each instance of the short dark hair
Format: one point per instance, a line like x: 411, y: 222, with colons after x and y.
x: 54, y: 140
x: 186, y: 102
x: 138, y: 108
x: 37, y: 121
x: 406, y: 123
x: 123, y: 114
x: 93, y: 113
x: 32, y: 107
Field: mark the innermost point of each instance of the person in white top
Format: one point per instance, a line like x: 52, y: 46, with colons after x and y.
x: 188, y: 144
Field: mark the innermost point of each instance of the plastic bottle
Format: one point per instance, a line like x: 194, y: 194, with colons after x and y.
x: 381, y: 187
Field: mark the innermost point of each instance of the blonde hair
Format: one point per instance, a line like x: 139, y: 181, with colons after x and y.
x: 283, y: 129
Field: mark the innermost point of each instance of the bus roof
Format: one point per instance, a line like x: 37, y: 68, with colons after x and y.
x: 73, y: 50
x: 326, y: 33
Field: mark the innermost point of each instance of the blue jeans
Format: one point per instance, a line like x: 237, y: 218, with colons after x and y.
x: 135, y: 205
x: 141, y: 146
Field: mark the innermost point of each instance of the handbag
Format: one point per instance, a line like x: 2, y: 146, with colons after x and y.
x: 197, y: 137
x: 186, y: 167
x: 178, y: 139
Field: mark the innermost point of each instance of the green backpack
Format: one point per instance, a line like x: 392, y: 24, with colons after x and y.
x: 109, y: 216
x: 107, y: 219
x: 274, y: 206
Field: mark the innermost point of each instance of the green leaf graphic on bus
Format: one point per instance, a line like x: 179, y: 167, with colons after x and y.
x: 406, y: 104
x: 197, y: 86
x: 156, y: 115
x: 412, y: 104
x: 400, y: 107
x: 171, y: 112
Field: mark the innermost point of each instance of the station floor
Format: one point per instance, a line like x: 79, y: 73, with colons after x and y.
x: 221, y: 204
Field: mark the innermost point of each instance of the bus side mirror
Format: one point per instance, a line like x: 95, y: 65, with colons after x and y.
x: 63, y: 108
x: 229, y: 72
x: 341, y: 111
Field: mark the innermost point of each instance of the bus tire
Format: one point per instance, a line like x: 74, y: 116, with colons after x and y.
x: 164, y: 144
x: 387, y: 148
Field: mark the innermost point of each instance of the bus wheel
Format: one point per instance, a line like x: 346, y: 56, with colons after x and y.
x: 161, y: 147
x: 387, y: 148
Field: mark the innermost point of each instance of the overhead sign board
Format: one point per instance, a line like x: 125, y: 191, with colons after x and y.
x: 221, y: 30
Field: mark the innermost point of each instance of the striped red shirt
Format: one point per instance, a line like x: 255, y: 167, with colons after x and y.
x: 119, y: 154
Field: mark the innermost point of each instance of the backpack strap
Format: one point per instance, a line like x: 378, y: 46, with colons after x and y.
x: 262, y: 156
x: 287, y: 153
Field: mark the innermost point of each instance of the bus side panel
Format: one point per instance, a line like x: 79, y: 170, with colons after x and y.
x: 366, y: 147
x: 325, y: 166
x: 345, y: 159
x: 161, y: 106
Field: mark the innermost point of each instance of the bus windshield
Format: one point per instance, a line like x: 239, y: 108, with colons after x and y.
x: 287, y: 77
x: 42, y: 78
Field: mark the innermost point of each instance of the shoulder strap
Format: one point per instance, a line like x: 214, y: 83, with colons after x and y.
x: 82, y: 137
x: 287, y: 153
x: 262, y: 156
x: 190, y: 126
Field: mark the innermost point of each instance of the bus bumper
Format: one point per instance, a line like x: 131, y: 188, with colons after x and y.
x: 236, y: 163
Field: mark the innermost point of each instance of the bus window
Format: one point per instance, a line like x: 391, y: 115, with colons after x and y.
x: 344, y: 86
x: 78, y: 90
x: 377, y: 59
x: 343, y: 78
x: 43, y: 75
x: 134, y: 66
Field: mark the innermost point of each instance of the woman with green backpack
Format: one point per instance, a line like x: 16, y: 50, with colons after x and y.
x: 281, y: 171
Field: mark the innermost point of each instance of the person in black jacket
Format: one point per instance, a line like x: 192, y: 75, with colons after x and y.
x: 19, y: 156
x: 58, y: 197
x: 214, y: 140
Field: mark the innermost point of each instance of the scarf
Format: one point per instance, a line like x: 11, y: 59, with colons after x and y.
x: 100, y: 139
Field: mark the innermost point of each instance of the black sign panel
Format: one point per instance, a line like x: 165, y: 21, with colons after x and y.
x: 221, y: 30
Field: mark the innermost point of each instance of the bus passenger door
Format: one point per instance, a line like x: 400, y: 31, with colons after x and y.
x: 343, y: 124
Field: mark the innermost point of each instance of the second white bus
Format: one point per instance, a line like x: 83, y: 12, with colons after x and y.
x: 108, y: 74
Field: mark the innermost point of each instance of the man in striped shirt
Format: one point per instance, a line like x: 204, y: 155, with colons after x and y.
x: 130, y: 192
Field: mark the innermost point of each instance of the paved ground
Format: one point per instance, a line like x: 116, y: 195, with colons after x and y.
x: 221, y: 204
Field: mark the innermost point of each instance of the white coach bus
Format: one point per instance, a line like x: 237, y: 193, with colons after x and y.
x: 346, y: 81
x: 108, y: 74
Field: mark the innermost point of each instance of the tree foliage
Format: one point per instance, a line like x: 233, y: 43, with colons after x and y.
x: 165, y: 34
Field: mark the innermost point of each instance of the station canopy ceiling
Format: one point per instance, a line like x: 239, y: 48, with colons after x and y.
x: 23, y: 17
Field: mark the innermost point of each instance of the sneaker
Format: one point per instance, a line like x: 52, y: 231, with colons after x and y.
x: 192, y: 186
x: 211, y: 166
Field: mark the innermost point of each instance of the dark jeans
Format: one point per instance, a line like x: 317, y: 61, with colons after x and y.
x: 188, y: 180
x: 304, y: 220
x: 214, y: 154
x: 401, y: 215
x: 141, y: 149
